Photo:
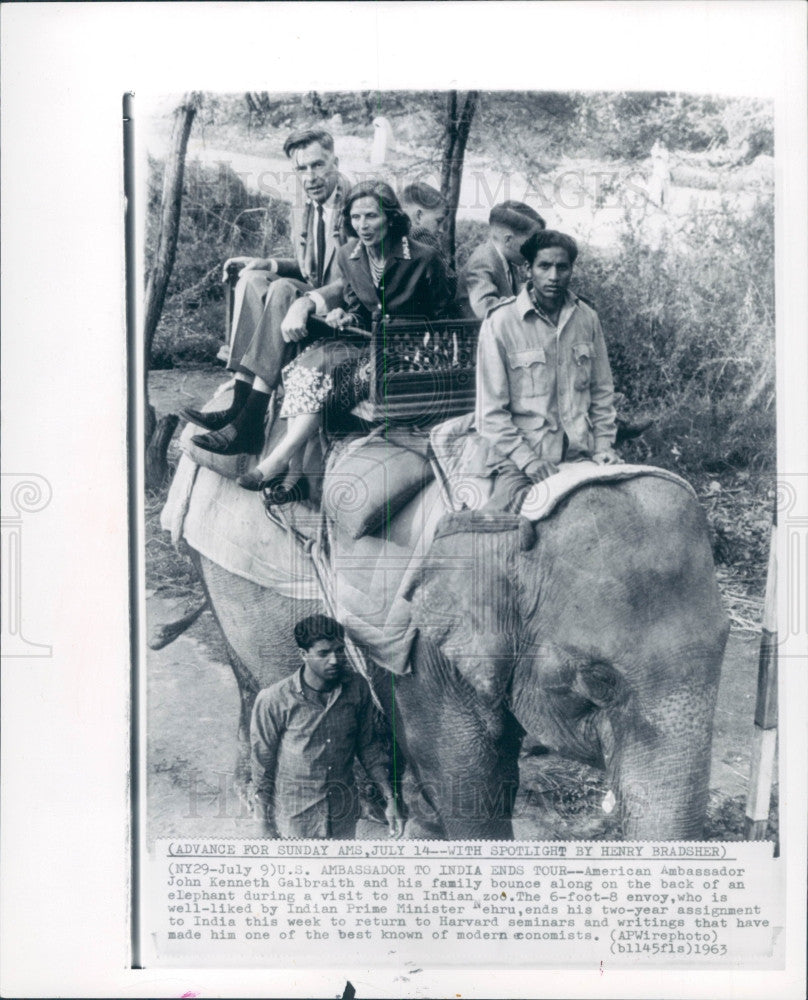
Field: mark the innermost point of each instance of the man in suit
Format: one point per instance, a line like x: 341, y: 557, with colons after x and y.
x: 264, y: 325
x: 494, y: 270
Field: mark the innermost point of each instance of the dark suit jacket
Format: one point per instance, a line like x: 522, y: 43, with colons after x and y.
x: 414, y: 283
x: 485, y: 280
x: 432, y: 240
x: 303, y: 267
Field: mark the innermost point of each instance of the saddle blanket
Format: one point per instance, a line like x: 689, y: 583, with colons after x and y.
x: 366, y: 581
x: 230, y: 527
x: 463, y: 460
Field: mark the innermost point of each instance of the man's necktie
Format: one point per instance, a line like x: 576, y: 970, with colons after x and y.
x: 320, y: 244
x: 513, y: 278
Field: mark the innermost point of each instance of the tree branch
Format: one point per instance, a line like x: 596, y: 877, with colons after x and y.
x: 171, y: 205
x: 458, y: 128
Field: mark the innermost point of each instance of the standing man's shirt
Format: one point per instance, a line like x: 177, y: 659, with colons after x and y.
x: 537, y: 382
x: 303, y: 747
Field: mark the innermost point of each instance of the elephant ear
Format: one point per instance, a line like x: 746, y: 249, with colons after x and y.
x: 462, y: 600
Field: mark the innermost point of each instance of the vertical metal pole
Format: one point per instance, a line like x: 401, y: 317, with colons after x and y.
x: 763, y: 754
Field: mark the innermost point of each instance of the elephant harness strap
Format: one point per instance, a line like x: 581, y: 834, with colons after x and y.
x: 313, y: 548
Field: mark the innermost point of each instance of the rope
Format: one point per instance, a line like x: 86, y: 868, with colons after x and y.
x: 313, y: 547
x: 322, y: 571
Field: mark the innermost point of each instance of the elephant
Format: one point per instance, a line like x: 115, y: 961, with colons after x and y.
x: 600, y: 638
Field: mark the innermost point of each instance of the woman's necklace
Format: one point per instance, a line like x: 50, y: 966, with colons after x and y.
x: 376, y: 267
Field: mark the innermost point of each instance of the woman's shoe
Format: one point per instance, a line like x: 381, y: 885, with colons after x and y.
x: 255, y: 482
x: 276, y: 495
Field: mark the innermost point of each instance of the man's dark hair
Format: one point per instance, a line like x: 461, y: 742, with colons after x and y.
x: 316, y: 627
x: 546, y: 238
x: 423, y: 195
x: 398, y: 222
x: 516, y: 215
x: 303, y: 137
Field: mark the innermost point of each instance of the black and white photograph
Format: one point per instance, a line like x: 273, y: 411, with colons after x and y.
x: 530, y: 495
x: 461, y: 487
x: 404, y: 500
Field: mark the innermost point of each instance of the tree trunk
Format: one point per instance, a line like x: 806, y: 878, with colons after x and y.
x: 458, y: 126
x: 157, y: 449
x: 160, y: 271
x: 171, y: 205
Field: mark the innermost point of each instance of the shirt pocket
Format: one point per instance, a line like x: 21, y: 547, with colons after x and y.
x: 582, y: 355
x: 529, y: 371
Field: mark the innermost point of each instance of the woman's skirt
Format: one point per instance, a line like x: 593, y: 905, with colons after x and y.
x: 329, y: 375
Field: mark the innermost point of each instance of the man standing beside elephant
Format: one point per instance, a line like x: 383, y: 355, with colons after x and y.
x: 306, y: 731
x: 544, y: 386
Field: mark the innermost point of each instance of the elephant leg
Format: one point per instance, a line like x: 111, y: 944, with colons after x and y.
x: 660, y: 765
x: 248, y: 688
x: 260, y: 624
x: 242, y: 777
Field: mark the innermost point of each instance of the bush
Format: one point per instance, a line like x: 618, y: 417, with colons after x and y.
x: 186, y: 339
x: 469, y: 234
x: 220, y: 218
x: 690, y: 330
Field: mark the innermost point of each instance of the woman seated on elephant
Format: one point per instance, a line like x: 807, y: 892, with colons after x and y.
x: 384, y: 274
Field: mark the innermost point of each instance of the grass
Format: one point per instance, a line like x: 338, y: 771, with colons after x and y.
x: 566, y: 799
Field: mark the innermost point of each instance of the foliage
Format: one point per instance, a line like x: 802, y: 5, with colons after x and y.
x: 187, y: 335
x: 690, y: 331
x: 533, y: 130
x: 566, y: 797
x: 470, y: 234
x: 726, y: 817
x: 749, y: 126
x: 220, y: 219
x: 538, y: 129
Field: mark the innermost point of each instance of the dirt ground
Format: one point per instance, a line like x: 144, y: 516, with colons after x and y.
x: 192, y: 711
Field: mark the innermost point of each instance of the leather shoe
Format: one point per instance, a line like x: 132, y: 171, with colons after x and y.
x: 231, y: 441
x: 213, y: 421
